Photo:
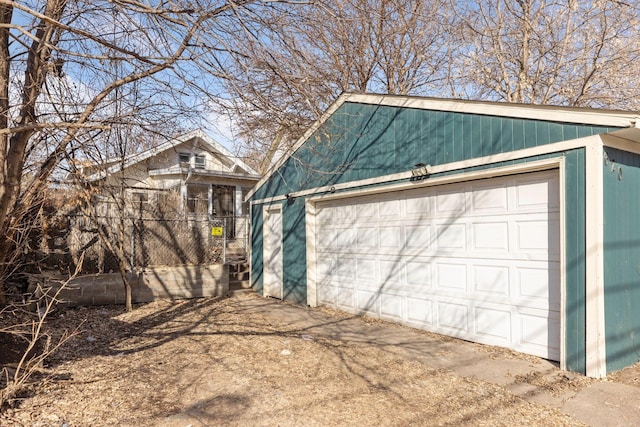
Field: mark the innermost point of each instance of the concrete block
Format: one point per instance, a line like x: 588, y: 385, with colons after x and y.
x: 90, y: 289
x: 104, y: 300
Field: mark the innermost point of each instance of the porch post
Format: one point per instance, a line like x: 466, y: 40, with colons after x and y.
x: 238, y: 201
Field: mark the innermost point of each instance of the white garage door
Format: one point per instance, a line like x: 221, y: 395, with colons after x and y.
x: 477, y: 260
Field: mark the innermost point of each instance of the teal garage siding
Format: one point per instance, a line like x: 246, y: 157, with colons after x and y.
x: 621, y: 257
x: 361, y: 141
x: 294, y: 251
x: 575, y: 267
x: 256, y: 248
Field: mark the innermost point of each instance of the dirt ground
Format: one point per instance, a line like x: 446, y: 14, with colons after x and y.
x: 213, y: 362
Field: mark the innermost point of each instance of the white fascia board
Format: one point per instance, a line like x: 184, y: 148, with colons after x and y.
x: 596, y: 354
x: 448, y: 167
x: 588, y: 116
x: 625, y: 140
x: 550, y: 113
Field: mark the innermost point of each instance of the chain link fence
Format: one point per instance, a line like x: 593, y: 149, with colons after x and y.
x: 97, y: 245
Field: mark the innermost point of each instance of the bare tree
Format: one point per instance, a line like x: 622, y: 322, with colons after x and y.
x: 58, y: 75
x: 549, y: 52
x: 290, y: 62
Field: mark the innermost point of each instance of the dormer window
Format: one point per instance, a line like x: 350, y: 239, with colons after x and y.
x: 200, y: 161
x: 185, y: 159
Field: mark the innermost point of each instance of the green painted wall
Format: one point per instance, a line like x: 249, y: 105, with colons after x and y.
x: 294, y: 256
x: 256, y: 248
x: 363, y: 141
x: 621, y: 257
x: 575, y: 269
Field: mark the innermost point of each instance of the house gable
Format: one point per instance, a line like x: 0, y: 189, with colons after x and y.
x: 362, y: 140
x: 165, y: 158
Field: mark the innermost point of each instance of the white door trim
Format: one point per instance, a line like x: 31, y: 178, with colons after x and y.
x: 595, y: 346
x: 267, y: 278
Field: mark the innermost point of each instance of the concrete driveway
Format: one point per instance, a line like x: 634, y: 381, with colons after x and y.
x: 590, y: 401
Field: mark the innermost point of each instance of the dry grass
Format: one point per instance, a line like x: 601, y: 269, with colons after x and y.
x: 207, y: 362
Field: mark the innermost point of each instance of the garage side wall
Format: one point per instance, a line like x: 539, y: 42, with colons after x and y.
x: 575, y: 268
x: 621, y: 171
x: 294, y: 251
x: 256, y: 248
x: 362, y: 141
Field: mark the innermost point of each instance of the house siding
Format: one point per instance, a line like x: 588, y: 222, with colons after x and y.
x: 621, y: 257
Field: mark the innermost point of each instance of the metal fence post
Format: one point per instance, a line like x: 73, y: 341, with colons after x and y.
x: 224, y: 240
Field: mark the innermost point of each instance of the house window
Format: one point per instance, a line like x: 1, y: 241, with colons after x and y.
x: 198, y: 198
x: 223, y: 198
x: 200, y: 161
x: 185, y: 159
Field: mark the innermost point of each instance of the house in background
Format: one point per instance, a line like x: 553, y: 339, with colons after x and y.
x: 191, y: 175
x: 510, y: 225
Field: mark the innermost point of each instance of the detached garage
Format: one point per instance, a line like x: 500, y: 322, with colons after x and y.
x: 509, y: 225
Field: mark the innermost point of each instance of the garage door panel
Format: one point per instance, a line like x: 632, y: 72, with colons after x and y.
x: 418, y: 236
x: 417, y: 206
x: 391, y: 272
x: 490, y: 236
x: 491, y: 280
x: 453, y: 316
x: 367, y: 238
x: 366, y: 270
x: 538, y: 284
x: 450, y: 202
x: 537, y: 193
x: 451, y: 276
x: 344, y: 298
x: 367, y: 301
x: 478, y: 260
x: 493, y: 324
x: 420, y: 312
x: 391, y: 237
x: 367, y: 211
x: 418, y: 274
x: 490, y: 200
x: 390, y: 208
x: 536, y: 337
x: 346, y: 238
x: 391, y: 306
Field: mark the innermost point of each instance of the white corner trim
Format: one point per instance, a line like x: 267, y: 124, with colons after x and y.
x: 596, y: 356
x: 563, y: 264
x: 310, y: 225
